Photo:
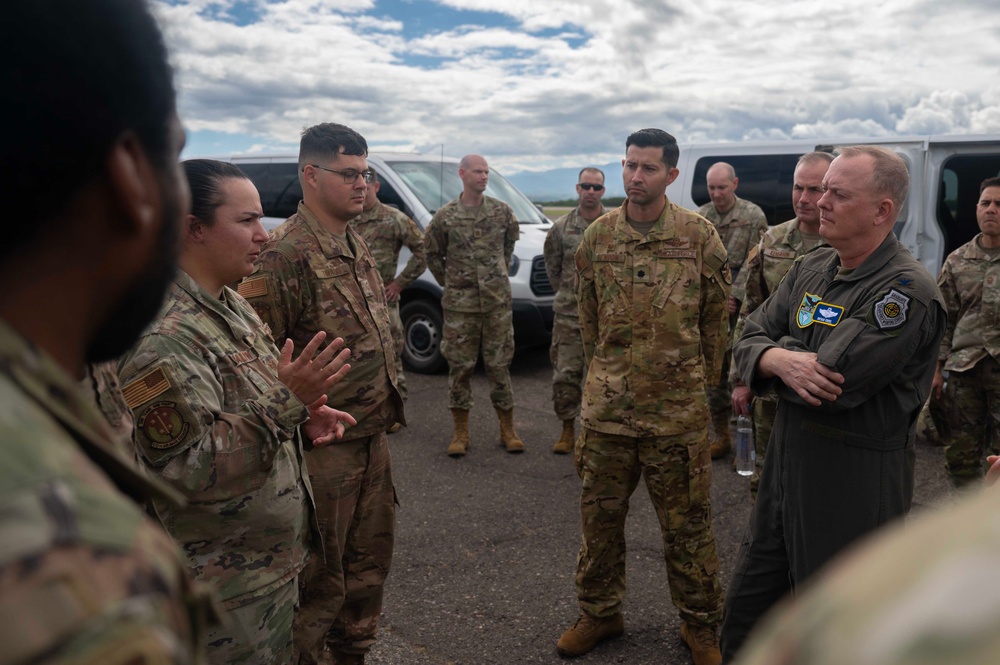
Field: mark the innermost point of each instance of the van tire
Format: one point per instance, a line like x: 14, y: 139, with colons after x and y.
x: 423, y: 330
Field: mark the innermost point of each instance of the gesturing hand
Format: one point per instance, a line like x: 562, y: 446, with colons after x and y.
x: 326, y: 424
x: 312, y: 374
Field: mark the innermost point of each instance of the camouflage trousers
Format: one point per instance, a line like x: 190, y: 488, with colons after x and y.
x: 355, y: 506
x: 398, y: 342
x: 764, y: 411
x: 257, y: 633
x: 465, y: 333
x: 678, y: 475
x: 566, y: 354
x: 973, y: 407
x: 719, y: 395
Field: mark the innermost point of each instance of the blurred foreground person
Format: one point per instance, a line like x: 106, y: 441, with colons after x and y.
x: 925, y: 592
x: 217, y: 412
x: 848, y: 340
x: 91, y: 140
x: 653, y: 289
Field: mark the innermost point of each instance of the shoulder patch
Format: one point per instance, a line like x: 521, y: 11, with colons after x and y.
x: 146, y: 387
x: 253, y: 288
x: 727, y: 274
x: 890, y: 312
x: 163, y: 425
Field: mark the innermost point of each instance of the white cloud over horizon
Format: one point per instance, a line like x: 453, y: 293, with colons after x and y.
x: 536, y: 85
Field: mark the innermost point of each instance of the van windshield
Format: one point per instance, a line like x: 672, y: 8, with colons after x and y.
x: 436, y: 183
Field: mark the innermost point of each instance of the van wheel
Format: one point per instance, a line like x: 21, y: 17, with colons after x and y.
x: 423, y: 327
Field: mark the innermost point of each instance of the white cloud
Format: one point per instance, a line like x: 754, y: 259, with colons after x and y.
x: 539, y: 95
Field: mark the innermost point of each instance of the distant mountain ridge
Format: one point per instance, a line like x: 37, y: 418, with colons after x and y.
x: 560, y: 184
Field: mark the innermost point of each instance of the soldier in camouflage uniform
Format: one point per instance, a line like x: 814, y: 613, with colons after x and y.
x: 86, y: 577
x: 387, y: 230
x: 970, y: 350
x: 766, y: 265
x: 741, y: 225
x: 848, y: 342
x: 653, y: 289
x: 566, y: 351
x: 316, y: 274
x: 469, y: 245
x: 217, y: 416
x: 924, y: 592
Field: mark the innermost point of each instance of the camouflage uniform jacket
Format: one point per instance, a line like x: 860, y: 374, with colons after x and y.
x: 85, y: 576
x: 741, y: 228
x: 101, y: 383
x: 561, y: 243
x: 386, y: 230
x: 767, y: 263
x: 468, y: 254
x: 653, y: 314
x: 303, y: 283
x: 212, y: 420
x: 970, y: 284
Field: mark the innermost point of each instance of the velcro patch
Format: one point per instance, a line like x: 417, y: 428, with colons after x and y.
x: 890, y: 312
x: 614, y: 258
x: 779, y: 253
x: 253, y: 288
x: 146, y: 387
x: 677, y: 253
x: 163, y: 425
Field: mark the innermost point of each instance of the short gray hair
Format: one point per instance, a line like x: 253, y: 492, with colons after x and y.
x: 890, y: 177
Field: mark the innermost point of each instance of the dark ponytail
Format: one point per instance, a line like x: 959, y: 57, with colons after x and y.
x: 205, y: 178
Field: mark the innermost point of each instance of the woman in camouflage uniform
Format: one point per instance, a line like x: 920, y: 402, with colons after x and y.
x: 218, y: 411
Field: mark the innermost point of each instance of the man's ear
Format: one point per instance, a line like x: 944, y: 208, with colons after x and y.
x: 884, y: 212
x: 133, y: 183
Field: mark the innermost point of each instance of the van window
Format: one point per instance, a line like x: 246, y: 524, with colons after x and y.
x: 388, y: 195
x: 436, y: 183
x: 763, y: 179
x: 958, y: 195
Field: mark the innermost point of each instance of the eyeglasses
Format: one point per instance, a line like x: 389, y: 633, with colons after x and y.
x: 588, y: 186
x: 350, y: 175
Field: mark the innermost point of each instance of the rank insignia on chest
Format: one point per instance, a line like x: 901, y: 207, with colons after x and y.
x: 804, y: 317
x: 890, y: 312
x: 641, y: 275
x: 477, y: 233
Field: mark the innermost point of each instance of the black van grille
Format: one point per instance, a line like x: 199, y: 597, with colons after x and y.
x: 540, y: 285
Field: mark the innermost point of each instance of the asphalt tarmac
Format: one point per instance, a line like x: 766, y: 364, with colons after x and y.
x: 486, y: 545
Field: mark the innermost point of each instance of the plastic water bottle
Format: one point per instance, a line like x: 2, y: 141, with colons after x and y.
x: 745, y: 453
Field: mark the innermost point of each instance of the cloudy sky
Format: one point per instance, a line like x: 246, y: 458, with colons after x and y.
x: 540, y: 84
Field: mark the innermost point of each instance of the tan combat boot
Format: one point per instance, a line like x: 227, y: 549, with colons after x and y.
x: 460, y: 439
x: 702, y: 642
x: 587, y: 633
x: 508, y: 437
x: 566, y: 440
x: 722, y: 444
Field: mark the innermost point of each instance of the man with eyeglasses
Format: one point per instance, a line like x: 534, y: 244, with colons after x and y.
x: 566, y: 351
x: 741, y: 224
x: 469, y: 244
x: 317, y: 274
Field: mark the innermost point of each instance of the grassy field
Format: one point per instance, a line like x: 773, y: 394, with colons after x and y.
x: 555, y: 212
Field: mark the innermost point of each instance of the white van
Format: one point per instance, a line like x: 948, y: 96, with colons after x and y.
x: 418, y: 185
x: 940, y: 212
